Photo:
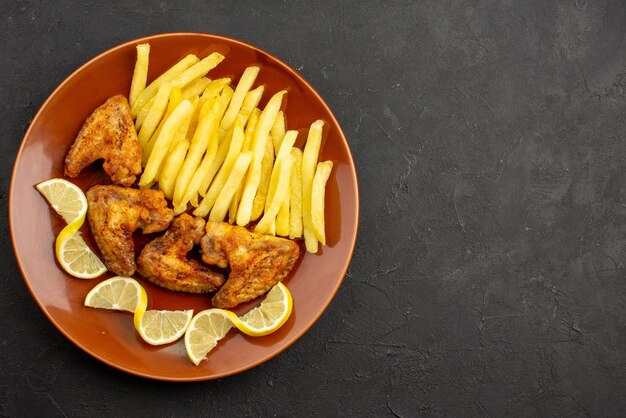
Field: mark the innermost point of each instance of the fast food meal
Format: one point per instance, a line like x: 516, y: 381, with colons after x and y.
x: 196, y: 145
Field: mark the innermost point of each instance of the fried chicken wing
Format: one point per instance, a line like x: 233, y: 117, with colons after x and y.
x: 164, y: 261
x: 257, y: 262
x: 116, y: 212
x: 109, y: 133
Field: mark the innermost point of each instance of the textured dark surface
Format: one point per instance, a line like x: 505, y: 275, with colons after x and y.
x: 489, y: 273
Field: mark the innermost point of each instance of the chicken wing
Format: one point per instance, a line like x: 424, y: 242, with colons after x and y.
x: 109, y: 133
x: 164, y: 261
x: 257, y: 262
x: 116, y: 212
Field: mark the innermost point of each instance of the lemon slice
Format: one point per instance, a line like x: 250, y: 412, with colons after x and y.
x: 163, y: 327
x: 211, y: 325
x: 66, y: 198
x: 118, y: 293
x: 270, y: 315
x: 75, y: 256
x: 205, y: 330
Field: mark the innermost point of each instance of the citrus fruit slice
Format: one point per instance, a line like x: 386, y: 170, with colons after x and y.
x: 163, y: 327
x: 211, y: 325
x: 75, y: 256
x: 205, y: 330
x: 118, y: 293
x: 270, y: 315
x: 66, y: 198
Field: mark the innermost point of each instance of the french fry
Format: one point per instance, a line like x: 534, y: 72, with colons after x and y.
x: 199, y: 145
x: 266, y: 171
x: 201, y: 172
x: 179, y: 116
x: 218, y: 213
x: 199, y: 69
x: 243, y: 87
x: 155, y: 114
x: 263, y: 227
x: 222, y: 176
x: 309, y: 163
x: 295, y: 201
x: 250, y: 102
x: 174, y: 100
x: 178, y: 136
x: 258, y: 150
x: 143, y: 113
x: 196, y: 88
x: 221, y: 105
x: 215, y: 88
x: 278, y: 130
x: 209, y: 93
x: 224, y: 100
x: 252, y: 120
x: 172, y: 166
x: 169, y: 75
x: 282, y: 218
x: 140, y: 74
x: 282, y: 155
x: 317, y: 199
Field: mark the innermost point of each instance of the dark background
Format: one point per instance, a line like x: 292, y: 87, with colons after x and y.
x: 489, y: 274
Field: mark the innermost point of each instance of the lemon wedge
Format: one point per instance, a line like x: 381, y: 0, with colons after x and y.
x: 163, y: 327
x: 205, y: 330
x: 72, y: 253
x: 211, y: 325
x: 270, y: 315
x: 75, y: 256
x: 118, y: 293
x: 66, y: 198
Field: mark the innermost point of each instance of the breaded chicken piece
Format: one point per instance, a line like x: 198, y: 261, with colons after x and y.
x: 257, y: 262
x: 108, y: 133
x: 164, y: 261
x: 116, y: 212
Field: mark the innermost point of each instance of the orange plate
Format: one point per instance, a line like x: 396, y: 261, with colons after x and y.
x: 109, y: 336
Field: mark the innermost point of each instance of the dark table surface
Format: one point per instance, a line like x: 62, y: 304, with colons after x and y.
x: 489, y: 275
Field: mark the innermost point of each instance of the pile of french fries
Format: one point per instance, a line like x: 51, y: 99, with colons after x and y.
x: 208, y: 145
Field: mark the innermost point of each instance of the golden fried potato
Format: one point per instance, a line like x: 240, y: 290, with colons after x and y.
x: 317, y: 199
x: 140, y: 74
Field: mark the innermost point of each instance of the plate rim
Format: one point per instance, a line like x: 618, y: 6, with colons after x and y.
x: 263, y: 359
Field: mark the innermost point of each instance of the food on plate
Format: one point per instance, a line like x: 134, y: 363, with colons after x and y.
x: 234, y: 149
x: 259, y: 138
x: 140, y: 74
x: 295, y: 198
x: 257, y: 262
x: 72, y: 253
x: 115, y: 212
x: 279, y: 185
x: 205, y: 330
x: 75, y: 256
x: 66, y: 198
x: 159, y: 327
x: 118, y: 293
x: 235, y: 178
x: 171, y: 167
x: 108, y: 133
x: 156, y: 327
x: 164, y: 260
x: 178, y: 120
x: 309, y: 163
x: 211, y: 325
x: 318, y: 190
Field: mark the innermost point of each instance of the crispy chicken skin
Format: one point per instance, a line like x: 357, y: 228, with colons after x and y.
x: 116, y: 212
x: 164, y: 261
x: 257, y: 262
x: 109, y: 133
